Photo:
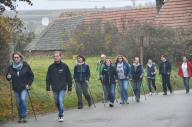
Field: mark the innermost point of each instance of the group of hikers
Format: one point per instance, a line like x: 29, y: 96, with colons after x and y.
x: 59, y: 79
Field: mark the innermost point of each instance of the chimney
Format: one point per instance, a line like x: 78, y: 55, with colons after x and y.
x: 159, y: 4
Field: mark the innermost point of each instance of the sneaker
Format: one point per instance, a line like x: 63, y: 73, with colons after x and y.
x: 20, y: 120
x: 24, y: 120
x: 137, y: 100
x: 122, y: 103
x: 164, y: 93
x: 127, y: 102
x: 187, y: 91
x: 111, y: 105
x: 60, y: 119
x: 150, y: 93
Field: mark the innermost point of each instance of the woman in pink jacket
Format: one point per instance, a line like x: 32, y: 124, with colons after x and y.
x: 185, y: 71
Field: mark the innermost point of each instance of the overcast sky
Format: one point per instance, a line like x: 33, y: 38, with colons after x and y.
x: 74, y: 4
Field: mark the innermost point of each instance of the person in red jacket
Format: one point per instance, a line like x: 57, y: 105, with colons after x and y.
x: 185, y: 71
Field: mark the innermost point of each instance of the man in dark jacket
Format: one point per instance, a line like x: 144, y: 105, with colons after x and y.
x: 81, y: 77
x: 58, y: 77
x: 21, y: 76
x: 165, y: 71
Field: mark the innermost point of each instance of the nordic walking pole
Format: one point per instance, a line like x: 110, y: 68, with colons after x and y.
x: 104, y: 99
x: 11, y: 98
x: 143, y: 91
x: 91, y: 97
x: 133, y: 94
x: 31, y: 104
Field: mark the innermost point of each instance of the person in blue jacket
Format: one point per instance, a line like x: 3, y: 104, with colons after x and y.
x: 136, y: 75
x: 123, y: 71
x: 81, y: 76
x: 165, y: 72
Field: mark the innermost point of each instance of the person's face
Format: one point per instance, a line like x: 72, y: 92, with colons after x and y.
x: 136, y: 60
x: 57, y: 57
x: 163, y: 58
x: 150, y: 61
x: 103, y: 57
x: 17, y: 58
x: 108, y: 62
x: 184, y: 59
x: 120, y: 59
x: 79, y: 60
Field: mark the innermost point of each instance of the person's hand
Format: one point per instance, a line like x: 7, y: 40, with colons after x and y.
x: 87, y: 81
x: 49, y: 93
x: 141, y: 76
x: 168, y: 73
x: 116, y: 81
x: 69, y: 93
x: 9, y: 76
x: 27, y: 87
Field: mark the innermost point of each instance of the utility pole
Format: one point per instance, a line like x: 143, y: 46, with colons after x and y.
x: 141, y: 49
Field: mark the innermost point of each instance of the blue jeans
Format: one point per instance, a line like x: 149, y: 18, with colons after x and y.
x: 21, y: 98
x: 124, y: 89
x: 111, y: 92
x: 137, y: 88
x: 59, y: 101
x: 186, y: 83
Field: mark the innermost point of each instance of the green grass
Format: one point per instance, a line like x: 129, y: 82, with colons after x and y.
x: 45, y: 104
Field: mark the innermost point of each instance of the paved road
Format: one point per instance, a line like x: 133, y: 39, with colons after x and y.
x: 158, y: 111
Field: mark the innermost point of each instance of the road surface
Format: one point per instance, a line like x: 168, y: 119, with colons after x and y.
x: 157, y: 111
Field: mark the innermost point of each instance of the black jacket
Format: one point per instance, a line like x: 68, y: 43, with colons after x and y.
x: 165, y: 67
x: 81, y: 72
x: 109, y: 75
x: 58, y: 77
x: 137, y: 73
x: 25, y: 77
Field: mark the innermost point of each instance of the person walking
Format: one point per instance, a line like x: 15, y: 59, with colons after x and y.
x: 109, y: 77
x: 59, y: 79
x: 151, y: 75
x: 21, y: 76
x: 137, y: 73
x: 165, y: 72
x: 185, y: 72
x: 99, y: 68
x: 123, y: 72
x: 81, y: 77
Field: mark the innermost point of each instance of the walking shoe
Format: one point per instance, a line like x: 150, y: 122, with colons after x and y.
x: 24, y: 120
x: 137, y: 100
x: 150, y: 93
x: 122, y: 103
x: 127, y: 102
x: 80, y: 106
x: 187, y: 91
x: 164, y: 93
x: 60, y: 119
x: 111, y: 105
x: 20, y: 120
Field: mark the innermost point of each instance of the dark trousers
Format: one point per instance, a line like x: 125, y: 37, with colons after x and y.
x: 137, y: 88
x: 166, y: 83
x: 186, y: 83
x: 151, y: 82
x: 82, y: 88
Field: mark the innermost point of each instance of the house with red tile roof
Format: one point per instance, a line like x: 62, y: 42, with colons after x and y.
x: 173, y: 13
